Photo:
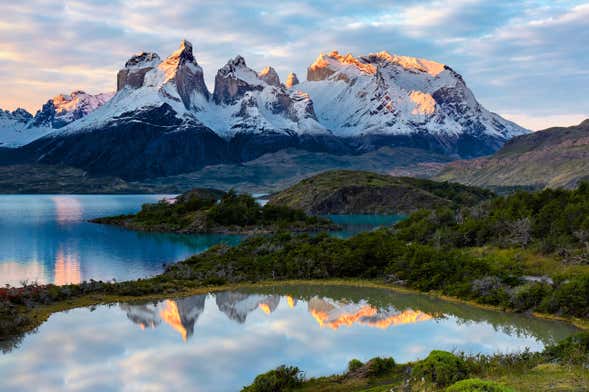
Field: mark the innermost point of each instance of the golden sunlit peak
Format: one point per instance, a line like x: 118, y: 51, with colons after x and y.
x: 291, y: 301
x: 334, y: 58
x: 171, y: 316
x: 336, y: 315
x: 431, y: 67
x: 265, y: 308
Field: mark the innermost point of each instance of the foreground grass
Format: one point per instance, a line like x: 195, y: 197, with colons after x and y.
x: 542, y: 377
x: 560, y: 367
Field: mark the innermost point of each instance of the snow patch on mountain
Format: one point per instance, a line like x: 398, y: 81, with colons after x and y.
x: 14, y: 131
x: 396, y: 95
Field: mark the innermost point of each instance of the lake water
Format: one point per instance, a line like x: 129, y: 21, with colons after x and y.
x: 46, y: 238
x: 219, y: 342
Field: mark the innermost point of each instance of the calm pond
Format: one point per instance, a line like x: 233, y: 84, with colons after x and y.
x: 219, y: 342
x: 47, y: 239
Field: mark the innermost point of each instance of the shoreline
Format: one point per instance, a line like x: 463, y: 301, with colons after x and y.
x: 41, y: 313
x: 226, y: 230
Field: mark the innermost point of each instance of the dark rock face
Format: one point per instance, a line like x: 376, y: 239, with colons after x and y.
x: 21, y: 115
x: 188, y: 74
x: 136, y: 67
x: 228, y: 87
x: 155, y: 143
x: 45, y: 117
x: 247, y: 146
x: 463, y: 146
x: 270, y: 76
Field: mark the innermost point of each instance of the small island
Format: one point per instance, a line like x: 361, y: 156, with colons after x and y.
x: 202, y: 211
x: 361, y: 192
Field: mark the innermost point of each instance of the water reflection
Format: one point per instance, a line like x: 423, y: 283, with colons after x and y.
x: 67, y: 209
x: 219, y: 342
x: 67, y: 268
x: 47, y: 239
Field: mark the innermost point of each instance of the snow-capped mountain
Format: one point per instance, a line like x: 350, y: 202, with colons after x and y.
x: 238, y: 305
x: 383, y: 99
x: 66, y: 108
x: 13, y: 128
x: 19, y: 127
x: 163, y: 120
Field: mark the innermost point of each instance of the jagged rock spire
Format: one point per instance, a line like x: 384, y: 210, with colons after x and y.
x: 291, y: 80
x: 270, y: 76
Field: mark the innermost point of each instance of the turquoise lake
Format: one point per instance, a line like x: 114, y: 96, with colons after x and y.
x: 47, y: 239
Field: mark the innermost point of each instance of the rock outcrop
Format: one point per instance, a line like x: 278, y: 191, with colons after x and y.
x: 291, y: 80
x: 133, y: 75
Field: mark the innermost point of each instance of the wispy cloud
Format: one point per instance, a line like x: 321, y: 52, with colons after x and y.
x: 525, y: 58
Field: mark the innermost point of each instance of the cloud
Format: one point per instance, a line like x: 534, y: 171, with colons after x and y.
x: 522, y: 57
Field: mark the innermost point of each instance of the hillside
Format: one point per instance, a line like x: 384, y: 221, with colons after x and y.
x: 554, y: 157
x: 359, y: 192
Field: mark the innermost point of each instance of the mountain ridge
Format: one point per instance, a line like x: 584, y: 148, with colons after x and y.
x: 347, y: 105
x: 554, y: 157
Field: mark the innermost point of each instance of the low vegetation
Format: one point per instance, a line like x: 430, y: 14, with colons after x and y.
x: 209, y: 211
x: 562, y: 367
x: 358, y: 192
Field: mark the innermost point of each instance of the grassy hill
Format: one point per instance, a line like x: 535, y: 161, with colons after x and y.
x: 555, y: 157
x: 360, y: 192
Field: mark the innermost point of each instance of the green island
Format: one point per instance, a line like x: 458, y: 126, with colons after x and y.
x: 214, y: 211
x: 526, y: 252
x: 362, y: 192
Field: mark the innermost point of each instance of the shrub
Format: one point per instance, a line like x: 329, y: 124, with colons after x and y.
x: 572, y: 350
x: 379, y: 366
x: 283, y: 378
x: 441, y: 368
x: 477, y: 385
x: 354, y: 364
x: 529, y: 295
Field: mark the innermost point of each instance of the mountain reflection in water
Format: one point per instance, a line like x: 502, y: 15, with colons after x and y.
x: 182, y: 314
x: 219, y: 342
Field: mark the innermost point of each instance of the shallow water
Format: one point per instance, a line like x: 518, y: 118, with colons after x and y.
x: 47, y: 239
x: 219, y: 342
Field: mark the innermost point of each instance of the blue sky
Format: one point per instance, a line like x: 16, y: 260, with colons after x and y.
x: 527, y: 60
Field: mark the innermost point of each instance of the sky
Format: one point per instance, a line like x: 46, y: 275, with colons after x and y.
x: 526, y: 60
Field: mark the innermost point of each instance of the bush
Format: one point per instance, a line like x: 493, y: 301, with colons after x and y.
x: 379, y: 366
x: 354, y: 364
x: 283, y: 378
x: 529, y: 295
x: 477, y: 385
x: 572, y: 350
x: 441, y: 368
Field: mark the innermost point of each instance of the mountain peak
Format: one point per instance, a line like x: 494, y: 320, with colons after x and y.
x: 291, y: 80
x: 327, y: 64
x: 270, y: 76
x: 409, y: 63
x: 142, y: 60
x: 183, y: 53
x: 135, y: 69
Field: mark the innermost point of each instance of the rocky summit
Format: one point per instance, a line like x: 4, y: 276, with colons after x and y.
x: 163, y: 120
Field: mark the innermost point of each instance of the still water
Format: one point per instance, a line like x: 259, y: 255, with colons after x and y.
x: 220, y: 341
x: 47, y: 239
